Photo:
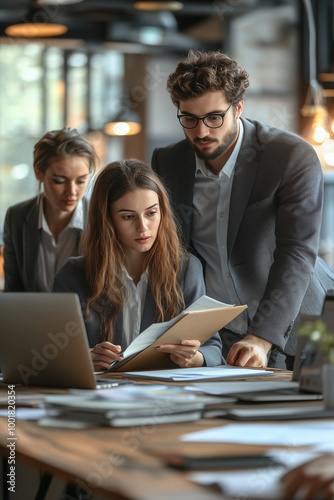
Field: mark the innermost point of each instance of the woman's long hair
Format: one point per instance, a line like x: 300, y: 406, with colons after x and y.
x: 104, y: 256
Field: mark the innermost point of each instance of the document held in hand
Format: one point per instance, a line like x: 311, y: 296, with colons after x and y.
x: 199, y: 321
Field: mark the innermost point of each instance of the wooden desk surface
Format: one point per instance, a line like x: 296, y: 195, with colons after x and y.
x: 107, y: 460
x: 121, y: 462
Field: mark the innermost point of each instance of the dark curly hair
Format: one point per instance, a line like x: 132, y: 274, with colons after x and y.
x: 201, y: 72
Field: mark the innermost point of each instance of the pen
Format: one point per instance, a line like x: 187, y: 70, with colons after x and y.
x: 116, y: 360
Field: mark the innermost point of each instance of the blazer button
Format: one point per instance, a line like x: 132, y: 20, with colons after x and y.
x: 287, y: 331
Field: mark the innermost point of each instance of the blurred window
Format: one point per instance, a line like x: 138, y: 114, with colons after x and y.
x: 47, y: 88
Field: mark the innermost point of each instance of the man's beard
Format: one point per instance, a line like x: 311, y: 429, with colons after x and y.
x: 222, y: 147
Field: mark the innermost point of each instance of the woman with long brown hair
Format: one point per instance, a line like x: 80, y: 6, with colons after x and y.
x: 133, y: 270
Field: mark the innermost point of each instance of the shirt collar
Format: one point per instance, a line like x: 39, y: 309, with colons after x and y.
x: 143, y: 277
x: 76, y: 222
x: 229, y: 165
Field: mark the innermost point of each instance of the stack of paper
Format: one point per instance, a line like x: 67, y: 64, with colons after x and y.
x: 125, y: 406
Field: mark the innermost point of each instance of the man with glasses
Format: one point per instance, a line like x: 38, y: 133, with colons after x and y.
x: 249, y: 199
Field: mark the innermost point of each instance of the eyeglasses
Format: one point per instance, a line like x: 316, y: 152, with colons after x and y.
x: 212, y: 120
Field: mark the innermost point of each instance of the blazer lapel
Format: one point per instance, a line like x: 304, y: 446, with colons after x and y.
x: 149, y: 310
x: 31, y: 247
x: 181, y: 185
x: 187, y: 195
x: 118, y: 329
x: 244, y: 174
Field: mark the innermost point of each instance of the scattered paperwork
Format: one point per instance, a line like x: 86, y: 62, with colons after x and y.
x: 258, y: 483
x: 301, y: 433
x: 221, y: 388
x: 202, y: 373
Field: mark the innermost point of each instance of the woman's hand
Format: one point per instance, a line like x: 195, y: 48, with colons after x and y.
x: 104, y: 354
x: 186, y: 354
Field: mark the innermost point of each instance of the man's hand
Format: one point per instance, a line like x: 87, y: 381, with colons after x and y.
x: 250, y: 351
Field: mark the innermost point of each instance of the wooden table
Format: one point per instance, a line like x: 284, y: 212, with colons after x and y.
x: 120, y: 463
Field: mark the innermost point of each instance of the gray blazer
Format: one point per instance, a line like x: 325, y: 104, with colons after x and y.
x: 72, y: 278
x: 273, y: 228
x: 21, y: 245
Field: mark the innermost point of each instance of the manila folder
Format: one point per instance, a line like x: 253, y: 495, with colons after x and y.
x: 199, y: 325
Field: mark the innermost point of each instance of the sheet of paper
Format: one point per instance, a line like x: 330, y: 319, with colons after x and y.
x: 120, y: 391
x: 292, y: 458
x: 147, y: 337
x: 301, y: 433
x: 221, y: 388
x: 155, y: 331
x: 206, y: 302
x: 261, y: 483
x: 26, y: 413
x: 146, y: 391
x: 64, y: 424
x: 24, y: 399
x: 327, y: 447
x: 206, y: 372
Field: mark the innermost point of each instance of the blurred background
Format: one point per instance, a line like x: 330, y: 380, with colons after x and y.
x: 97, y: 59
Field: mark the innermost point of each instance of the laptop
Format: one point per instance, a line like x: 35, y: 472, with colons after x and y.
x: 328, y: 309
x: 43, y: 341
x: 307, y: 352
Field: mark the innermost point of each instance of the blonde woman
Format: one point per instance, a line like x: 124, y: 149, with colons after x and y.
x: 41, y: 233
x: 134, y: 271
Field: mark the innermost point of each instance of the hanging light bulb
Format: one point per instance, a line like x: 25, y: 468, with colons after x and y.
x: 317, y: 129
x: 328, y: 152
x: 36, y: 24
x: 320, y: 134
x: 158, y: 5
x: 314, y: 107
x: 320, y: 125
x: 127, y: 122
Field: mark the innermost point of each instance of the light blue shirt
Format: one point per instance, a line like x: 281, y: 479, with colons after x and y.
x: 211, y: 203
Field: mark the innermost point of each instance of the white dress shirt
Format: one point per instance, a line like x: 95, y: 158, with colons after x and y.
x: 211, y: 203
x: 133, y: 308
x: 52, y: 254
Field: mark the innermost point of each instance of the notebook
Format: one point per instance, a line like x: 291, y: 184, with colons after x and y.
x: 43, y: 341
